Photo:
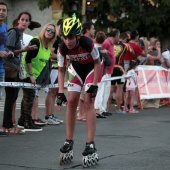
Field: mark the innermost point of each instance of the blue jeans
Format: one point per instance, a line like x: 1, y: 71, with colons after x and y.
x: 2, y: 77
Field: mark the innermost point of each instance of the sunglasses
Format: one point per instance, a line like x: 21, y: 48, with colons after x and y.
x: 50, y: 30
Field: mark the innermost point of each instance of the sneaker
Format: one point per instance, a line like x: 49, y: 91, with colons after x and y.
x: 3, y: 134
x: 50, y: 120
x: 29, y: 126
x: 120, y: 112
x: 125, y: 110
x: 20, y: 123
x: 39, y: 122
x: 106, y: 113
x: 98, y: 115
x: 57, y: 119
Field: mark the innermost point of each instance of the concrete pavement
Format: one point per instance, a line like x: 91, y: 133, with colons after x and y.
x: 124, y: 142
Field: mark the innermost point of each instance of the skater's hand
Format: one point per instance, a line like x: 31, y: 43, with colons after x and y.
x: 93, y: 90
x: 61, y: 98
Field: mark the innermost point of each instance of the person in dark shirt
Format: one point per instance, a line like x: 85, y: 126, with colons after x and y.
x: 36, y: 64
x: 15, y: 44
x: 50, y: 118
x: 120, y: 48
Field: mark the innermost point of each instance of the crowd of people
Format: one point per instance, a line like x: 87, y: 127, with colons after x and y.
x: 91, y: 57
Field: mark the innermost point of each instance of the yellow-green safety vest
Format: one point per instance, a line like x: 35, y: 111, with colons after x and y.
x: 39, y: 62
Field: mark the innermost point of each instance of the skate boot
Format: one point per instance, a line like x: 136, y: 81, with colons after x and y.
x: 66, y: 152
x: 90, y: 157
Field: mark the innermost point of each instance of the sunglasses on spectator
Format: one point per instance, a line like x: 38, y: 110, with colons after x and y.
x: 50, y: 30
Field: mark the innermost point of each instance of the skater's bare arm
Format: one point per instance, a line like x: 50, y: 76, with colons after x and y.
x: 61, y: 73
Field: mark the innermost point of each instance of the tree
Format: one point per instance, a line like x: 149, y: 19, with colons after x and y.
x: 149, y: 17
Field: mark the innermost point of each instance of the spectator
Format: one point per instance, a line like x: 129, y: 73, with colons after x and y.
x: 131, y: 85
x: 154, y: 56
x: 15, y: 44
x: 26, y: 40
x: 120, y: 48
x: 151, y: 41
x: 166, y: 57
x: 37, y: 73
x: 89, y: 30
x: 134, y: 43
x: 50, y: 118
x: 99, y: 39
x: 108, y: 44
x: 4, y: 52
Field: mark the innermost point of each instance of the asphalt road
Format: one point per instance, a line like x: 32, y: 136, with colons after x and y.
x: 124, y: 142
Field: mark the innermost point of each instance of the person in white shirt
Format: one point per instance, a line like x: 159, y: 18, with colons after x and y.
x: 166, y: 57
x: 131, y: 85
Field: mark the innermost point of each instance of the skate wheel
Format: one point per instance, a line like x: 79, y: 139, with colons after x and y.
x: 66, y: 160
x: 65, y: 157
x: 89, y: 163
x: 61, y: 159
x: 71, y: 157
x: 84, y: 163
x: 93, y: 162
x: 96, y: 158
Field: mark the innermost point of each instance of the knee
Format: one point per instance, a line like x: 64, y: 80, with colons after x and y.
x: 53, y: 94
x: 71, y: 102
x: 88, y: 104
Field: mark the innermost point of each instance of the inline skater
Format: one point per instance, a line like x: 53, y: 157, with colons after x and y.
x: 85, y: 69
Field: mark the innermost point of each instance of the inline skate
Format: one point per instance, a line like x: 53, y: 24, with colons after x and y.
x: 90, y: 157
x: 66, y: 152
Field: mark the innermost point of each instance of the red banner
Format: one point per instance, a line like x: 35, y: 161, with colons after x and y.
x: 153, y: 82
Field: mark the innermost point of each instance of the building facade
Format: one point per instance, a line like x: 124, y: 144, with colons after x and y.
x: 48, y: 15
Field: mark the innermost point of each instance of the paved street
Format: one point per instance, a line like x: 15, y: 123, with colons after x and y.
x: 124, y: 142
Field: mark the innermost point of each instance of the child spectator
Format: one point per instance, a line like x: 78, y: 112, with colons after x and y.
x: 131, y: 85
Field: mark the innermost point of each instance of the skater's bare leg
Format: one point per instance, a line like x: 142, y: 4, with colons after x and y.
x: 73, y: 98
x: 90, y: 117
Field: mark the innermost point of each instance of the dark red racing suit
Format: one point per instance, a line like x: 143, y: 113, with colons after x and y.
x: 81, y: 70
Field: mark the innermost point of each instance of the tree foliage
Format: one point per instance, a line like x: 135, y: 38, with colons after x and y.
x: 149, y: 17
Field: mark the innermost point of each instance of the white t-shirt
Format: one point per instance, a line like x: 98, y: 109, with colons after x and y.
x: 27, y: 38
x: 132, y: 81
x: 166, y: 55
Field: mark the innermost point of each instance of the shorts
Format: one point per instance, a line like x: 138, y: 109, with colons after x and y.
x: 84, y: 77
x: 126, y: 64
x: 118, y: 71
x: 54, y: 76
x: 36, y: 92
x: 130, y: 89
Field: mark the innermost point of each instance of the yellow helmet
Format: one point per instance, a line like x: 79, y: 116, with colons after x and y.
x: 70, y: 27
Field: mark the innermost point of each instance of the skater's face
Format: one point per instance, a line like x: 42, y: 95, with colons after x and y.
x: 70, y: 42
